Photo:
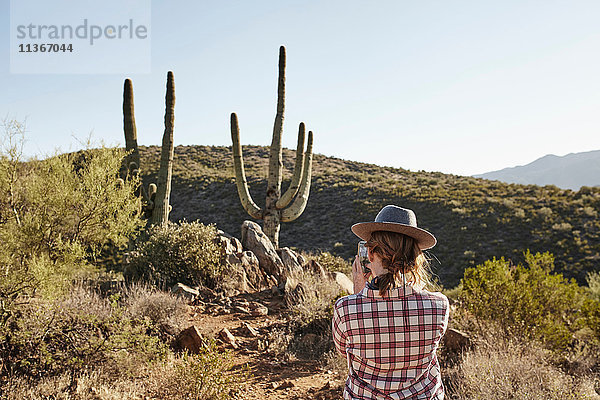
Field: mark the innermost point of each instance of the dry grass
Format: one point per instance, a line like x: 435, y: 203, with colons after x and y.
x: 205, y: 376
x: 89, y: 347
x: 307, y: 332
x: 168, y: 313
x: 501, y: 369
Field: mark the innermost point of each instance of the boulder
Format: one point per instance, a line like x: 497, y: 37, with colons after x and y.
x: 256, y: 277
x: 255, y: 240
x: 316, y: 268
x: 455, y: 341
x: 241, y: 273
x: 185, y: 291
x: 248, y: 330
x: 234, y: 279
x: 190, y: 339
x: 294, y: 296
x: 290, y: 261
x: 343, y: 281
x: 229, y: 244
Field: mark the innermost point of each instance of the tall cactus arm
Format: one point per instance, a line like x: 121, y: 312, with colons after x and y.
x: 160, y: 215
x: 129, y: 124
x: 299, y: 204
x: 289, y: 194
x: 275, y: 157
x: 240, y: 175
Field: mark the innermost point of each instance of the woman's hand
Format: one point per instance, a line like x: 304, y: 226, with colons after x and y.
x: 358, y: 277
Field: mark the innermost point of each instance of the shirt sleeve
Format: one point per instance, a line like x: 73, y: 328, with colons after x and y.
x: 337, y: 329
x: 446, y: 317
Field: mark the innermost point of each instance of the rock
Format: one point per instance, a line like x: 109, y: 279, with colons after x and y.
x: 241, y: 302
x: 234, y: 279
x: 316, y: 268
x: 301, y: 260
x: 190, y: 339
x: 185, y: 291
x: 309, y: 340
x: 455, y: 341
x: 271, y: 280
x: 254, y: 239
x: 228, y: 338
x: 207, y: 294
x: 248, y: 330
x: 290, y: 261
x: 257, y: 309
x: 229, y: 244
x: 285, y: 385
x: 294, y: 296
x: 240, y: 310
x: 255, y: 276
x: 343, y: 281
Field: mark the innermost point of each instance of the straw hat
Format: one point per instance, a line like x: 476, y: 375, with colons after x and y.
x: 396, y: 219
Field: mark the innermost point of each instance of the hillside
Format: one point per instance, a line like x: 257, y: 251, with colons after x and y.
x: 473, y: 219
x: 568, y: 172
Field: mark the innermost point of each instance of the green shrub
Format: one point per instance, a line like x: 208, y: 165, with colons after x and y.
x: 527, y: 301
x: 57, y: 213
x: 72, y: 334
x: 593, y: 281
x: 186, y: 252
x: 204, y: 376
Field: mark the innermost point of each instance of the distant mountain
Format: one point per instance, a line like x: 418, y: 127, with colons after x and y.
x: 568, y: 172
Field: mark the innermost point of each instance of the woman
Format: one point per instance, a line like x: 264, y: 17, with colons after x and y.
x: 390, y: 328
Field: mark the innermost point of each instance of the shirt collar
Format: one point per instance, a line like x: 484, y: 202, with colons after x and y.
x: 371, y: 291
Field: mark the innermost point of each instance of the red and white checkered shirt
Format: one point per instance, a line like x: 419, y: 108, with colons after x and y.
x: 390, y: 342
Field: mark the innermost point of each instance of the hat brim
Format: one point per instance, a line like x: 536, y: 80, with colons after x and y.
x: 425, y: 239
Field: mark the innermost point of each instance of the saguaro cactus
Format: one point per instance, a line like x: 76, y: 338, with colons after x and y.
x: 277, y: 208
x: 157, y: 198
x: 129, y: 124
x: 160, y: 214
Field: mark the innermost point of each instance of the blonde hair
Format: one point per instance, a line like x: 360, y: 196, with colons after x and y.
x: 400, y: 255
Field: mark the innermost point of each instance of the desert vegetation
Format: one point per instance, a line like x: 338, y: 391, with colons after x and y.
x: 88, y: 311
x: 477, y: 219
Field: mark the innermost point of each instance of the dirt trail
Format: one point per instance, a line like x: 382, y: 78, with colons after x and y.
x: 272, y: 377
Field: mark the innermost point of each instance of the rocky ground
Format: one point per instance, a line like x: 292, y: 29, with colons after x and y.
x: 244, y: 324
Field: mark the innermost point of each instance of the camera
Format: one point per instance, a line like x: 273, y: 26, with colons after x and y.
x: 363, y: 256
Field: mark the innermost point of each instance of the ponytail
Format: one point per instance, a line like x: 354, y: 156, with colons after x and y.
x: 400, y: 255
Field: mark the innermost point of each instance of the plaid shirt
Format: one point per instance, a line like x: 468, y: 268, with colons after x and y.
x: 390, y: 342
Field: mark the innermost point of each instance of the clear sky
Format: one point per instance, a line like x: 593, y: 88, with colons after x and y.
x: 461, y: 87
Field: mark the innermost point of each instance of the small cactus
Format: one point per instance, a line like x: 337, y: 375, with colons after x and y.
x: 278, y: 208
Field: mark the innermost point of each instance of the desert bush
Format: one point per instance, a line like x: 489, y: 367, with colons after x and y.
x: 56, y: 214
x: 593, y: 281
x: 330, y: 262
x: 501, y: 369
x: 307, y: 332
x: 72, y: 334
x: 528, y: 301
x: 166, y: 312
x: 208, y: 375
x: 186, y: 252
